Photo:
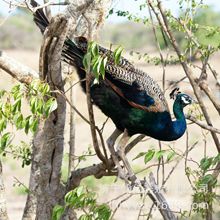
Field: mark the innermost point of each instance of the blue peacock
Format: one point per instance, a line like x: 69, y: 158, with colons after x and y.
x: 129, y: 96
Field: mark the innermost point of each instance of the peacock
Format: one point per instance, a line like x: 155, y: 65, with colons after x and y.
x: 129, y: 96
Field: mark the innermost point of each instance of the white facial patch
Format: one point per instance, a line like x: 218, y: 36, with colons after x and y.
x: 186, y: 100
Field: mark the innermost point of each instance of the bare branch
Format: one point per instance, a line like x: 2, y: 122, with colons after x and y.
x: 17, y: 70
x: 72, y: 133
x: 203, y: 125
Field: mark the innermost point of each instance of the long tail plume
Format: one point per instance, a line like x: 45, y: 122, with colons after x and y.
x: 40, y: 18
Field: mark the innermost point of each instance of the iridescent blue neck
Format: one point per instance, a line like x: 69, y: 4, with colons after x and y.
x: 179, y: 125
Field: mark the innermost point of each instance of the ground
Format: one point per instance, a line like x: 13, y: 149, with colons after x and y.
x: 177, y: 189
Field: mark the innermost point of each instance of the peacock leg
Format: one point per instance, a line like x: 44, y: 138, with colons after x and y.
x: 111, y: 142
x: 121, y: 152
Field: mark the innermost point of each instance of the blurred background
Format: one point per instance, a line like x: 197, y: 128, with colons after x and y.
x: 21, y: 39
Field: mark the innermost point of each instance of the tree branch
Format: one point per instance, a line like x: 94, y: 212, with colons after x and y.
x: 17, y: 70
x: 203, y: 125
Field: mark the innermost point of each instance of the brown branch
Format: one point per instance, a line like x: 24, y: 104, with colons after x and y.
x: 92, y: 121
x: 18, y: 71
x: 203, y: 125
x: 204, y: 86
x: 161, y: 203
x: 72, y: 133
x: 98, y: 170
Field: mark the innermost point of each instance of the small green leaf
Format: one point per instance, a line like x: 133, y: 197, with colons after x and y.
x: 149, y: 155
x: 33, y: 104
x: 102, y: 68
x: 79, y: 191
x: 5, y: 140
x: 27, y: 124
x: 34, y: 125
x: 96, y: 66
x: 208, y: 179
x: 205, y: 163
x: 87, y: 61
x: 160, y: 154
x: 3, y: 124
x: 50, y: 106
x: 141, y: 154
x: 117, y: 54
x: 170, y: 156
x: 94, y: 48
x: 16, y: 106
x: 18, y: 120
x: 70, y: 197
x: 57, y: 213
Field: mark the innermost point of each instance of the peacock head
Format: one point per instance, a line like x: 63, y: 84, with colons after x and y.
x: 180, y: 98
x: 183, y: 99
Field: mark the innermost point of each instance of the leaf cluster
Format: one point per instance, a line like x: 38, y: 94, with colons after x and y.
x: 81, y: 199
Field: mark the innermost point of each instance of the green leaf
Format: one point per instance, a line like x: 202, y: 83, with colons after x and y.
x: 117, y: 54
x: 34, y: 125
x: 94, y: 48
x: 57, y: 213
x: 96, y: 66
x: 104, y: 212
x: 79, y: 190
x: 16, y: 106
x: 18, y: 120
x: 33, y: 104
x: 170, y: 156
x: 50, y: 106
x: 149, y: 155
x: 205, y: 163
x: 27, y: 124
x: 141, y: 154
x: 103, y: 65
x: 46, y: 89
x: 85, y: 217
x: 208, y: 179
x: 70, y: 197
x: 160, y: 154
x: 3, y: 124
x: 5, y: 140
x: 87, y: 61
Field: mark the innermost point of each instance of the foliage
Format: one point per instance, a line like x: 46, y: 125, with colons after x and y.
x: 203, y: 180
x: 203, y: 20
x: 96, y: 62
x: 154, y: 154
x: 81, y: 199
x: 41, y: 104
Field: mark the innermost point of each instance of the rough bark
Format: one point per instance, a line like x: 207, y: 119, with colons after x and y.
x: 17, y: 70
x: 49, y: 140
x: 3, y: 209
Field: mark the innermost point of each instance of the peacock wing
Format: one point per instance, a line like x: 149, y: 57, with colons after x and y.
x: 137, y: 87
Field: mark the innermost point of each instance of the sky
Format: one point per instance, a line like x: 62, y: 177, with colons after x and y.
x: 126, y: 5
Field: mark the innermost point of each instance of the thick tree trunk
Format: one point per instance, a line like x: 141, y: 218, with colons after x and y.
x: 48, y: 142
x: 3, y: 209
